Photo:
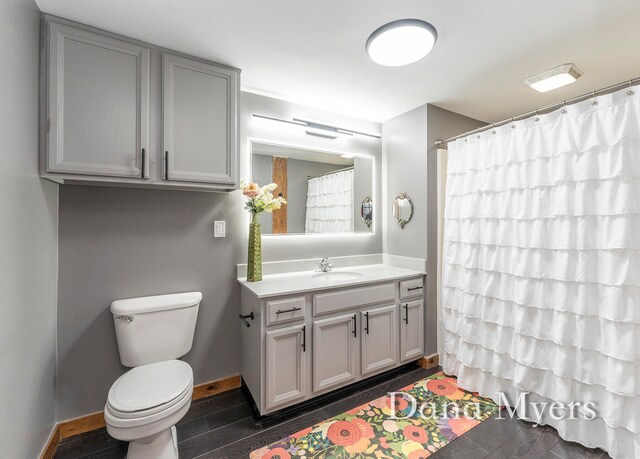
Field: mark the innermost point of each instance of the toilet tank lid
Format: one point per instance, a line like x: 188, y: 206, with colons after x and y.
x: 156, y: 303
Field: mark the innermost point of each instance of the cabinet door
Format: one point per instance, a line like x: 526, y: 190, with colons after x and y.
x: 200, y: 121
x: 379, y: 339
x: 98, y: 104
x: 411, y: 330
x: 286, y: 365
x: 334, y: 351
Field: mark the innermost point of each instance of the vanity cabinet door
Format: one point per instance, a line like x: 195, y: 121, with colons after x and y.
x: 97, y: 104
x: 286, y: 365
x: 200, y: 116
x: 379, y: 339
x: 411, y: 330
x: 335, y: 343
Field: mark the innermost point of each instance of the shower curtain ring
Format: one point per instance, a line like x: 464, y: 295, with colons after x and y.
x: 594, y: 101
x: 564, y: 109
x: 630, y: 91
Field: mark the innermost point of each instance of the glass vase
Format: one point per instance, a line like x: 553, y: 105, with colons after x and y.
x: 254, y: 264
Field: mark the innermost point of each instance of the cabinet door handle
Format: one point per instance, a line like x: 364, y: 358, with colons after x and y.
x: 355, y: 330
x: 166, y: 165
x: 288, y: 310
x: 414, y: 288
x: 304, y: 338
x: 142, y: 165
x: 366, y: 328
x: 406, y: 313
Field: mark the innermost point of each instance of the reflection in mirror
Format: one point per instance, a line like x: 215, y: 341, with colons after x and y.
x: 325, y: 191
x: 402, y: 209
x: 366, y: 211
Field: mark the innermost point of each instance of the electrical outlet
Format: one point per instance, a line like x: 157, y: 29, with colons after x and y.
x: 218, y: 229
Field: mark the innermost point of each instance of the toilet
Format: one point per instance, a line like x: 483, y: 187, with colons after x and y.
x: 145, y: 403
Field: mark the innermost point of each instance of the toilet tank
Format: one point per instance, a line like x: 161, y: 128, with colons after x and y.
x: 155, y: 328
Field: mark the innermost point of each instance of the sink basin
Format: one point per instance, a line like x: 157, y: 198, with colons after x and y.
x: 337, y: 276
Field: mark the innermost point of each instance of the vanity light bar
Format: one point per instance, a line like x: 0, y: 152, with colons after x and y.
x: 317, y: 125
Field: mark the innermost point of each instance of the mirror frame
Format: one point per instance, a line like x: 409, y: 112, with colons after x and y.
x: 247, y: 172
x: 401, y: 197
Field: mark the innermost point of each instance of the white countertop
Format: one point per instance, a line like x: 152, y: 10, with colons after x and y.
x: 303, y: 281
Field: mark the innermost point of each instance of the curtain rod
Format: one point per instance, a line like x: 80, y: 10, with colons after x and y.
x: 329, y: 173
x: 546, y: 108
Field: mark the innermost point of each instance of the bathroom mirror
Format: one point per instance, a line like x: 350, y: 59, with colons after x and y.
x: 366, y: 211
x: 402, y: 209
x: 325, y: 191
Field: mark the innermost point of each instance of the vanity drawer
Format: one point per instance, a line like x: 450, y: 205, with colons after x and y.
x: 326, y: 303
x: 285, y: 310
x: 411, y: 288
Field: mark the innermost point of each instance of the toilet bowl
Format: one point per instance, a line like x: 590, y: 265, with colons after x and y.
x: 144, y: 404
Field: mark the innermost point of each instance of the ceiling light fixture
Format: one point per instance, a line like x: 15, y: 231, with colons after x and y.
x: 401, y: 42
x: 554, y: 78
x: 348, y: 156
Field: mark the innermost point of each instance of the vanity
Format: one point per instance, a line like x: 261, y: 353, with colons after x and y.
x: 307, y: 333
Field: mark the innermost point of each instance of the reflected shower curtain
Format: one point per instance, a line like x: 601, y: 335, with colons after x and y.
x: 330, y: 203
x: 541, y: 268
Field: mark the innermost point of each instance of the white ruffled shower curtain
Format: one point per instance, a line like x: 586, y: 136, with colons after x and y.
x: 330, y: 203
x: 541, y: 266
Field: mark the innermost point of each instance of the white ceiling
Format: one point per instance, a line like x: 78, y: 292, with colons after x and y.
x: 313, y: 52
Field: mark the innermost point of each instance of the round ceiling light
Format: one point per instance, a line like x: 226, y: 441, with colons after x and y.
x: 401, y: 42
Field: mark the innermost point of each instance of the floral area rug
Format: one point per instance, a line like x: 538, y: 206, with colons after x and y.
x: 412, y: 423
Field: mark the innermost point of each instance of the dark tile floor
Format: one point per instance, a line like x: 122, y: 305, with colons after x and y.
x: 222, y: 427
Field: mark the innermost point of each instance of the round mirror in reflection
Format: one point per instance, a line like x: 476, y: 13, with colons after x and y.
x: 402, y: 209
x: 366, y: 211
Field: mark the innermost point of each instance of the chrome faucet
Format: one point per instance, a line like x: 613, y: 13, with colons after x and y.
x: 325, y: 266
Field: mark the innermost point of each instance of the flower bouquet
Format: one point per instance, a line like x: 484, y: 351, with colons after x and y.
x: 259, y: 199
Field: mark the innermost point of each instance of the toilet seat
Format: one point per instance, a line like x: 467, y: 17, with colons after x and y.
x: 149, y: 392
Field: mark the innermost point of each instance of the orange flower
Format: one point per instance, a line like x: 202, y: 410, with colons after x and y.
x: 354, y: 435
x: 276, y: 453
x: 415, y: 433
x: 445, y: 387
x: 302, y: 433
x: 344, y: 433
x: 419, y: 454
x: 400, y: 403
x: 462, y: 424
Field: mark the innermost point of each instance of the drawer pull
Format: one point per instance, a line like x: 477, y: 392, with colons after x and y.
x: 142, y: 163
x: 406, y: 313
x: 366, y: 328
x: 355, y: 330
x: 411, y: 289
x: 279, y: 311
x: 304, y: 338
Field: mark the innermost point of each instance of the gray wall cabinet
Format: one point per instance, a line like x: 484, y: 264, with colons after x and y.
x: 298, y: 347
x: 119, y: 112
x: 98, y: 104
x: 200, y: 113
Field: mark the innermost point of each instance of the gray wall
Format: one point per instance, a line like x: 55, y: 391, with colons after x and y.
x: 120, y: 243
x: 404, y: 146
x: 28, y: 247
x: 409, y: 162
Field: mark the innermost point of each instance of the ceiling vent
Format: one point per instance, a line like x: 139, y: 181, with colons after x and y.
x: 554, y: 78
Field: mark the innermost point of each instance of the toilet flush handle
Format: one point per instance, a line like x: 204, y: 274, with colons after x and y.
x: 128, y: 319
